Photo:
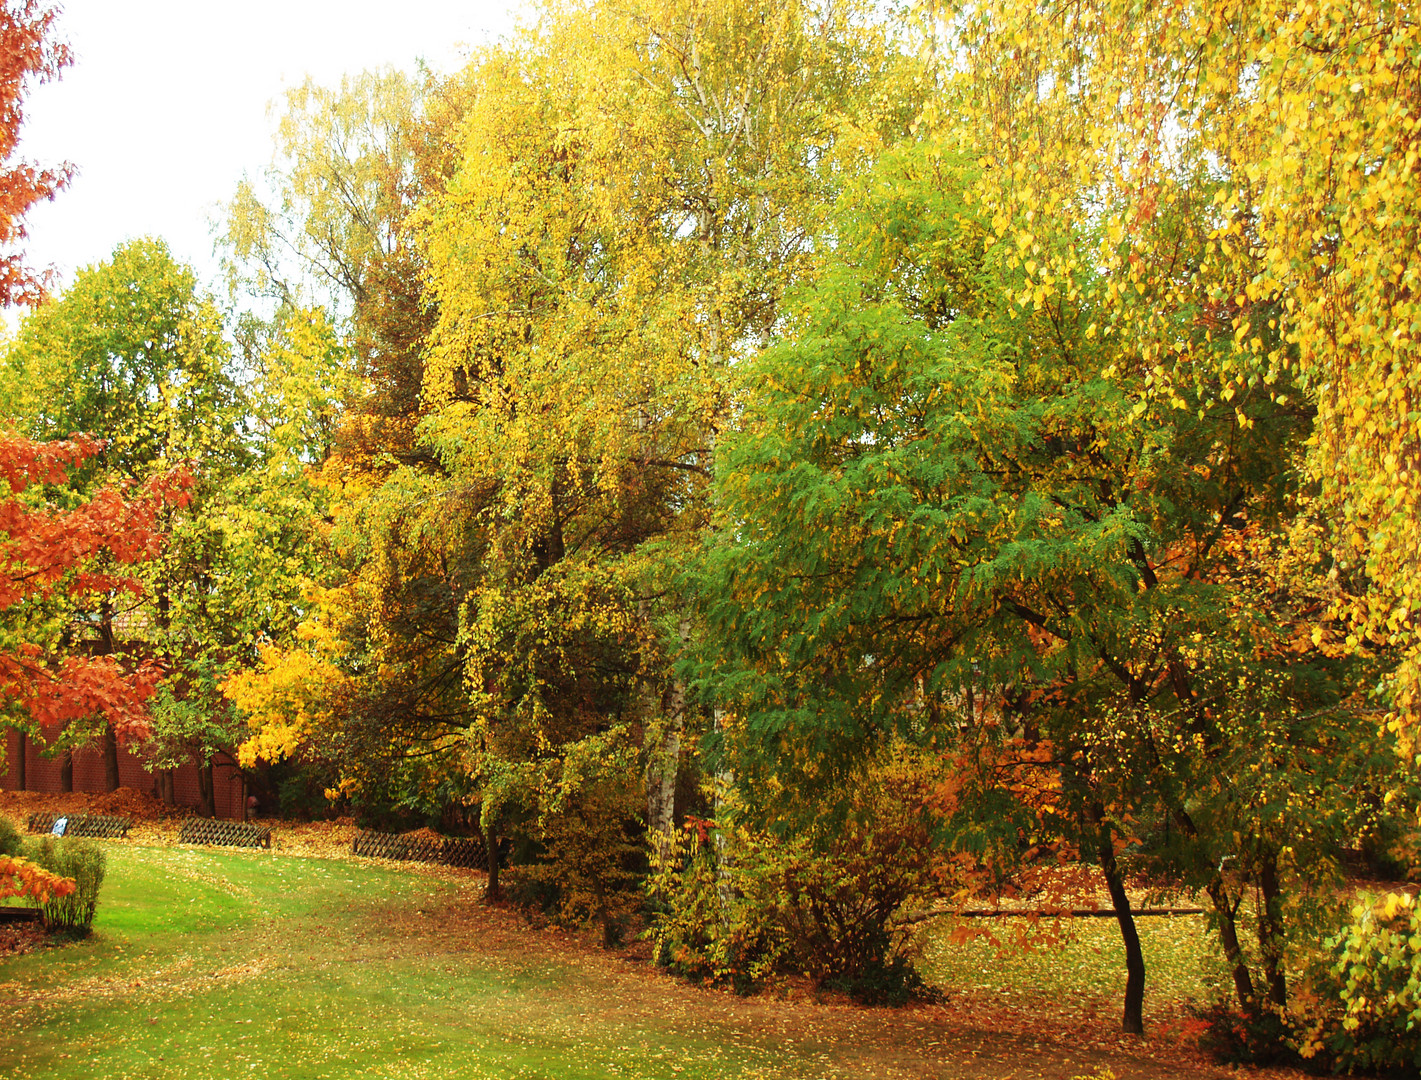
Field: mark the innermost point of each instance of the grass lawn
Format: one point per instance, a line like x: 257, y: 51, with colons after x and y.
x: 1088, y: 971
x: 213, y: 963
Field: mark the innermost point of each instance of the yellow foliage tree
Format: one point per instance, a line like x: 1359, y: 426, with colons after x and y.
x: 1281, y: 138
x: 635, y: 188
x: 289, y: 697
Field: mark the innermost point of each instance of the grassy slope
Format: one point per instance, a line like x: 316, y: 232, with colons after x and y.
x: 246, y: 963
x: 213, y: 963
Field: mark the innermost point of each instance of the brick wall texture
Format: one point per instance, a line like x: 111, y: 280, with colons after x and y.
x: 42, y: 774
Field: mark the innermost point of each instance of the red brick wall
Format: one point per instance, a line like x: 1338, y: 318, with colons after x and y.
x: 42, y: 774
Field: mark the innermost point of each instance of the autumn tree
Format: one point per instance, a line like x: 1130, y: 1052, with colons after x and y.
x: 324, y: 227
x: 60, y: 552
x: 956, y: 512
x: 131, y: 352
x: 28, y: 55
x: 1301, y: 115
x: 369, y: 689
x: 51, y: 550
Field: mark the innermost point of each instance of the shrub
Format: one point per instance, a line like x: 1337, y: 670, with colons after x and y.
x: 1258, y: 1035
x: 826, y: 911
x: 839, y: 905
x: 587, y: 864
x: 85, y: 863
x: 1370, y: 991
x: 11, y: 842
x: 714, y: 921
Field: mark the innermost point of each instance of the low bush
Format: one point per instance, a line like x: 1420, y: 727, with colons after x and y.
x: 11, y: 841
x: 85, y: 863
x: 839, y: 906
x: 716, y: 921
x: 733, y: 906
x: 1368, y: 1014
x: 1257, y: 1036
x: 586, y: 864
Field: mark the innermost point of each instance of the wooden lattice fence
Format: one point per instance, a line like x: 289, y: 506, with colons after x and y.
x: 109, y: 828
x: 197, y: 830
x: 446, y: 850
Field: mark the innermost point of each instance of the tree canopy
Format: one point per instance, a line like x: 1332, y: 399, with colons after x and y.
x: 57, y: 553
x: 723, y: 444
x: 29, y: 55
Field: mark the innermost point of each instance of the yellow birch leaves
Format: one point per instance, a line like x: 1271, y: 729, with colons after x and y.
x: 1254, y: 172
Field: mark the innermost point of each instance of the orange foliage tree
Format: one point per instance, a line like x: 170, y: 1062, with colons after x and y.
x: 54, y: 555
x: 27, y: 55
x: 20, y: 877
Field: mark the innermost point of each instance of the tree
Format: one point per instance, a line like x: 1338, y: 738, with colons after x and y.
x: 1304, y: 259
x: 237, y: 563
x: 28, y: 55
x: 47, y: 545
x: 327, y: 227
x: 130, y: 351
x: 956, y: 513
x: 335, y: 199
x: 383, y: 602
x: 58, y: 552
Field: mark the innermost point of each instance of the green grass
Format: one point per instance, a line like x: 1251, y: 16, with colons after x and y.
x: 213, y: 963
x: 1088, y: 967
x: 206, y: 963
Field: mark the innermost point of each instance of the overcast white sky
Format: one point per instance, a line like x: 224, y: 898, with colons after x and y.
x: 165, y: 105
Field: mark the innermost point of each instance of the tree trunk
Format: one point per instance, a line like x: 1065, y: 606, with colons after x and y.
x: 20, y: 763
x: 105, y: 647
x: 664, y: 764
x: 66, y: 771
x: 1270, y: 930
x: 662, y: 770
x: 1133, y: 1019
x: 724, y: 853
x: 204, y: 786
x: 493, y: 893
x: 165, y: 787
x: 1228, y: 925
x: 1228, y: 938
x: 110, y: 743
